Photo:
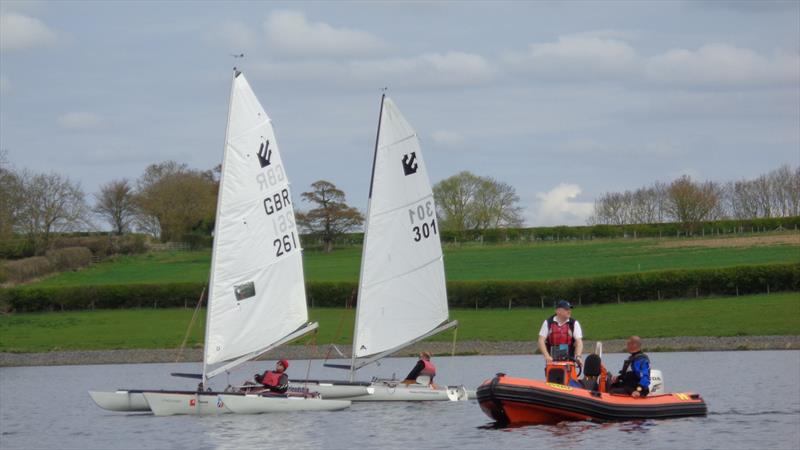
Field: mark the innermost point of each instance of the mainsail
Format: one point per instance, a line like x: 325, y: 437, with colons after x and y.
x: 401, y: 294
x: 257, y: 292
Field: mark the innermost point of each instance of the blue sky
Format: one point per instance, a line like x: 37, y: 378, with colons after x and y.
x: 563, y: 100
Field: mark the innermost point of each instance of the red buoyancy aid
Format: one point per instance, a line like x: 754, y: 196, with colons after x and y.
x: 560, y: 334
x: 429, y: 369
x: 271, y: 379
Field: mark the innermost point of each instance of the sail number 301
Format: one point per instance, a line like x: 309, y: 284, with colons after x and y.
x: 285, y: 244
x: 423, y: 221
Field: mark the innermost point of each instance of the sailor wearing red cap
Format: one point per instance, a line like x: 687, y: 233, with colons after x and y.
x: 277, y: 380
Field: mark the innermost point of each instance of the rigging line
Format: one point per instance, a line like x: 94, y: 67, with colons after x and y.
x: 191, y: 324
x: 339, y: 327
x: 308, y: 369
x: 453, y: 350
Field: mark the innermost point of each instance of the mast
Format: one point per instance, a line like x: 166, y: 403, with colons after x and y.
x: 210, y: 297
x: 364, y: 244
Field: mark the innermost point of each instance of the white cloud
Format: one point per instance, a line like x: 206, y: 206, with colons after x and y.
x: 558, y: 207
x: 236, y: 35
x: 722, y: 64
x: 20, y: 32
x: 452, y: 69
x: 80, y: 121
x: 576, y: 57
x: 447, y: 138
x: 290, y: 33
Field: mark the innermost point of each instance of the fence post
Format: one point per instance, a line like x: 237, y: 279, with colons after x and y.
x: 542, y: 299
x: 476, y: 304
x: 618, y: 299
x: 696, y: 292
x: 509, y: 304
x: 737, y: 291
x: 580, y: 303
x: 767, y: 288
x: 658, y: 293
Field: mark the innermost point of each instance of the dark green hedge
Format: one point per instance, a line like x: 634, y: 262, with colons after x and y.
x: 711, y: 228
x: 462, y: 294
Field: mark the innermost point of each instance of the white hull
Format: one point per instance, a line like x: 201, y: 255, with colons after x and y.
x: 124, y: 401
x: 197, y: 403
x: 256, y: 404
x: 382, y: 391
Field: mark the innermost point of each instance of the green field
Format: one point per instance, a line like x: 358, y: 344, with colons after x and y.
x: 541, y: 261
x: 776, y: 314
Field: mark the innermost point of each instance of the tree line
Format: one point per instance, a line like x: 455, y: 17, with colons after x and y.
x: 690, y: 202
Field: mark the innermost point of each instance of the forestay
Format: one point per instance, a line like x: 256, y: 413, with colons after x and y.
x: 402, y: 293
x: 257, y: 293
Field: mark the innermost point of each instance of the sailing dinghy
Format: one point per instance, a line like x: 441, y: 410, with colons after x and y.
x: 402, y: 297
x: 257, y: 297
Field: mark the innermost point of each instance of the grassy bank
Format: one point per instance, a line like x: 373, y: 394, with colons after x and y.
x: 776, y: 314
x: 518, y: 262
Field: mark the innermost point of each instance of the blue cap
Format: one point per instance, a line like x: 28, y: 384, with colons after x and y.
x: 563, y: 304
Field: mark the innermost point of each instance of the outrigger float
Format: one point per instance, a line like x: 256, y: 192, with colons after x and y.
x: 563, y: 397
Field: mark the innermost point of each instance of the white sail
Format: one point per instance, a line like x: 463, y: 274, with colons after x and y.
x: 257, y: 293
x: 402, y: 293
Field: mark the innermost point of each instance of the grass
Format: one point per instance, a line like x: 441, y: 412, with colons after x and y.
x: 541, y: 261
x: 775, y: 314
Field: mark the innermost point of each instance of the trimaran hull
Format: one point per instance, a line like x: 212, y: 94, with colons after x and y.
x: 215, y: 403
x: 383, y: 391
x: 122, y: 400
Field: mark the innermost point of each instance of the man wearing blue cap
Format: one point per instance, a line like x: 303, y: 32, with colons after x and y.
x: 561, y: 337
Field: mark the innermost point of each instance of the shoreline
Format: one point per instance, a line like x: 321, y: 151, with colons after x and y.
x: 440, y: 349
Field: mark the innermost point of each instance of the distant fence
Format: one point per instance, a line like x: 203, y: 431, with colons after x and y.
x: 461, y: 294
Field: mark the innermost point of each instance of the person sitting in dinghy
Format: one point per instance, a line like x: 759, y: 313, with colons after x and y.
x: 561, y: 336
x: 277, y: 380
x: 634, y: 378
x: 424, y: 368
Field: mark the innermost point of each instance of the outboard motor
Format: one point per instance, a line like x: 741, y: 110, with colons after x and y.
x: 656, y: 382
x: 561, y: 372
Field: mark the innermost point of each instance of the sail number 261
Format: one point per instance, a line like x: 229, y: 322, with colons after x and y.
x: 285, y: 244
x: 423, y: 220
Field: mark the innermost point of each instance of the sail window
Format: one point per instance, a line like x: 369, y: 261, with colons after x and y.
x: 245, y: 290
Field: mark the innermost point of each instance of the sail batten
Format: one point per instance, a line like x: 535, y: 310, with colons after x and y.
x: 402, y: 293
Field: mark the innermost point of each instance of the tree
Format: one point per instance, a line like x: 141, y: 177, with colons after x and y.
x: 691, y: 203
x: 466, y: 201
x: 51, y: 203
x: 174, y: 200
x: 455, y: 198
x: 332, y: 217
x: 117, y: 204
x: 10, y: 197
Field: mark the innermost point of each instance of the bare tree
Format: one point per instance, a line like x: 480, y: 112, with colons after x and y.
x: 116, y: 204
x: 51, y: 203
x: 691, y: 203
x: 332, y: 216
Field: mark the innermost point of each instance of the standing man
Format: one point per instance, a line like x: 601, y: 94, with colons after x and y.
x: 634, y: 378
x: 561, y: 337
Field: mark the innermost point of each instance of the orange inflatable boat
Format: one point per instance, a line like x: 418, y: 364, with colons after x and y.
x: 514, y: 401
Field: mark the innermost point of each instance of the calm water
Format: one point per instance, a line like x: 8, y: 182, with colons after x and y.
x: 753, y: 398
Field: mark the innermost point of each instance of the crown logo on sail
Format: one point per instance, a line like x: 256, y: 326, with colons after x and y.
x: 264, y: 154
x: 410, y: 165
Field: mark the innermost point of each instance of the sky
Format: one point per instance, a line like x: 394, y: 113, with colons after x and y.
x: 563, y: 100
